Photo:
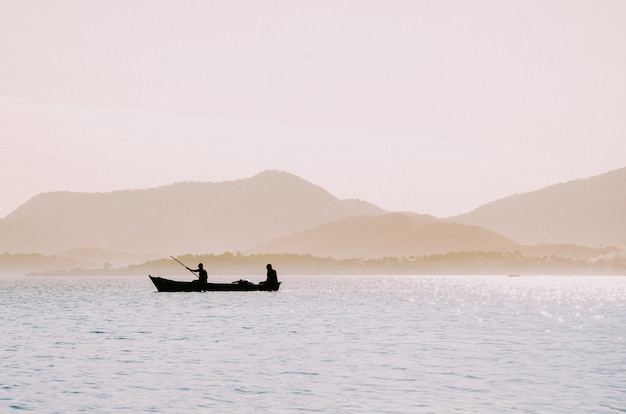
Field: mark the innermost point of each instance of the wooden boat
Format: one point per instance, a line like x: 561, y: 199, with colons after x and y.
x: 166, y: 285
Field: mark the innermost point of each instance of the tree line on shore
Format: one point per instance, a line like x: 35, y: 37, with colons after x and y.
x: 228, y: 263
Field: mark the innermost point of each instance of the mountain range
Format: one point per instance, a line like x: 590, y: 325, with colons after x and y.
x: 278, y: 212
x: 589, y: 211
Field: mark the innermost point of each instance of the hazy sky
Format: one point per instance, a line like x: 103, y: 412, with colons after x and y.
x: 429, y: 106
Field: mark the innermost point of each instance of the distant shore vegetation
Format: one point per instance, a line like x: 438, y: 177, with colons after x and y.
x: 238, y: 264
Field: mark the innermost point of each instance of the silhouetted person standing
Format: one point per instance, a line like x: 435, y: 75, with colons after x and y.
x: 202, y: 275
x: 272, y: 277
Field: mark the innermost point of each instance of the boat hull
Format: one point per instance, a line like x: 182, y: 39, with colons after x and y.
x: 166, y: 285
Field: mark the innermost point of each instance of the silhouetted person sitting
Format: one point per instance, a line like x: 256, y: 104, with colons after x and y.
x: 202, y: 275
x: 272, y: 278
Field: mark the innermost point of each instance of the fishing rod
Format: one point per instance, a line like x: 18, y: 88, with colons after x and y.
x: 182, y: 264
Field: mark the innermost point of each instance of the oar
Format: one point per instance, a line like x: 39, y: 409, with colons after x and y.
x: 184, y: 266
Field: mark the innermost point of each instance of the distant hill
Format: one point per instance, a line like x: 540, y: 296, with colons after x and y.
x: 26, y: 236
x: 588, y: 212
x: 277, y: 212
x: 389, y: 235
x: 180, y: 218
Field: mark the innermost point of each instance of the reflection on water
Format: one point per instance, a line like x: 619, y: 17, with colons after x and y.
x: 324, y: 344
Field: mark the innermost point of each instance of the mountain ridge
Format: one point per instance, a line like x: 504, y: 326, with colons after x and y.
x: 278, y: 212
x: 587, y: 211
x: 188, y: 217
x: 387, y: 235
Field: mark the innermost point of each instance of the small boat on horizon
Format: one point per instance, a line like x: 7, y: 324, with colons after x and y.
x: 167, y: 285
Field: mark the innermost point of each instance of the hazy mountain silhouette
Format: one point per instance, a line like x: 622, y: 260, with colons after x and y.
x: 29, y: 236
x: 589, y: 212
x: 277, y: 212
x: 180, y: 218
x: 389, y: 235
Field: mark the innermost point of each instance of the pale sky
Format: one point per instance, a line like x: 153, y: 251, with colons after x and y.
x: 434, y: 106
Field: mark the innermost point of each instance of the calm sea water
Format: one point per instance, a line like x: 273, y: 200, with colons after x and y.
x: 408, y: 344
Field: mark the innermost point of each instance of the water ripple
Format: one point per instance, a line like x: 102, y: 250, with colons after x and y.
x: 322, y: 344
